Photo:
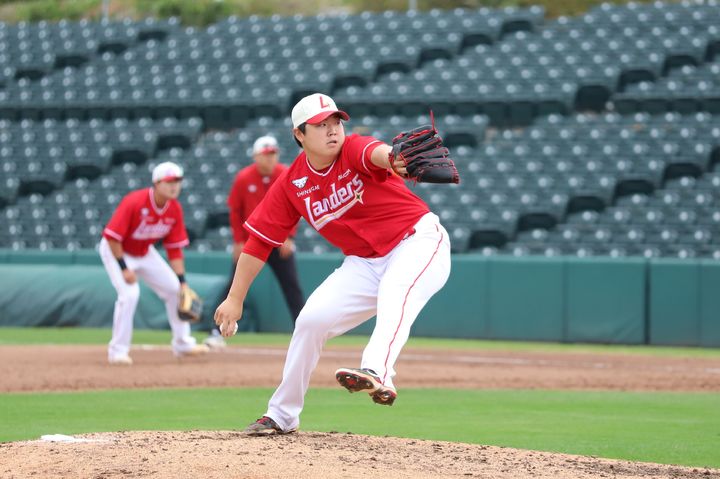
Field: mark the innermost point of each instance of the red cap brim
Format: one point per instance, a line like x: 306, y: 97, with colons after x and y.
x: 267, y: 150
x: 323, y: 115
x: 171, y: 178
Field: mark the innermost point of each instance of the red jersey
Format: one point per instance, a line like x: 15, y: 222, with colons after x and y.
x: 358, y: 207
x: 138, y: 222
x: 247, y: 191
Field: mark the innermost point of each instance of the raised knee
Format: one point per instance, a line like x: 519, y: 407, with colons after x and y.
x: 130, y: 294
x: 170, y: 291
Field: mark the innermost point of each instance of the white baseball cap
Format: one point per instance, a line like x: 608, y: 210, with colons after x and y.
x: 314, y: 109
x: 167, y: 171
x: 265, y: 144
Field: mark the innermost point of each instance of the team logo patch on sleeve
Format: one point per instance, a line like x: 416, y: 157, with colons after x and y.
x: 300, y: 182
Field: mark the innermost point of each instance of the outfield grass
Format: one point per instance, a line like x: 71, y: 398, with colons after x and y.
x: 146, y: 336
x: 671, y: 428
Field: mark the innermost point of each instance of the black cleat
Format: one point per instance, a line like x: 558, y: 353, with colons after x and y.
x: 265, y: 426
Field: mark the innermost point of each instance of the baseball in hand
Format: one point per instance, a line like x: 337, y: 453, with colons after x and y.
x: 235, y: 328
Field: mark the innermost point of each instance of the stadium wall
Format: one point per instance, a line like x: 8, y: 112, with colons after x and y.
x: 568, y: 299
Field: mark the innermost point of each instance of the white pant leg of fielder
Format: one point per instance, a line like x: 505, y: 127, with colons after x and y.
x: 346, y: 298
x: 125, y: 304
x: 416, y: 269
x: 160, y: 277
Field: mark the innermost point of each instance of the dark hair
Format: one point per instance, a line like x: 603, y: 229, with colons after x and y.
x: 300, y: 127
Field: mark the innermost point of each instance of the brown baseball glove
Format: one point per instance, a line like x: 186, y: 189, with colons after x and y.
x: 191, y: 306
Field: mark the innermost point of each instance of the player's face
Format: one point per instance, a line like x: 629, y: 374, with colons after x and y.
x: 266, y: 162
x: 169, y: 189
x: 325, y: 138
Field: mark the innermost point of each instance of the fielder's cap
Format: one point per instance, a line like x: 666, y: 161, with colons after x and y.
x: 314, y: 109
x: 265, y: 144
x: 167, y: 171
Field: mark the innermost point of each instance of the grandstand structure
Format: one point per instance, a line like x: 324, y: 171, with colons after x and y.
x: 592, y: 135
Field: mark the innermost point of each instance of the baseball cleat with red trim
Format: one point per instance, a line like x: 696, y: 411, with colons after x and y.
x: 366, y: 380
x: 356, y: 380
x: 384, y: 396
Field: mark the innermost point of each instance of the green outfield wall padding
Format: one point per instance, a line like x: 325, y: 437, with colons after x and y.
x: 79, y: 295
x: 674, y: 302
x: 629, y: 300
x: 86, y: 257
x: 460, y: 309
x: 214, y: 262
x: 41, y: 257
x: 605, y: 300
x: 526, y: 298
x: 709, y: 303
x: 312, y: 271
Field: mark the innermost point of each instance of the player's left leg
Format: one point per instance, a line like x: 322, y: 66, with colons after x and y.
x: 417, y: 269
x: 344, y: 300
x: 160, y: 277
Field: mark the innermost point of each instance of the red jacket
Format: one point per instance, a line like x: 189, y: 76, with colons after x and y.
x: 247, y: 191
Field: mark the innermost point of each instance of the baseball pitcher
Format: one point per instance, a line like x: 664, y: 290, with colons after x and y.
x: 351, y: 190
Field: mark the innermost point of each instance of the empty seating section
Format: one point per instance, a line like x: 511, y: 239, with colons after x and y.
x: 32, y: 50
x: 686, y: 89
x: 592, y: 135
x: 239, y: 67
x: 67, y: 176
x: 637, y: 184
x: 554, y: 68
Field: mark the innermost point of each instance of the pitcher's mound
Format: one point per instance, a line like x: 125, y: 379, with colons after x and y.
x: 224, y: 454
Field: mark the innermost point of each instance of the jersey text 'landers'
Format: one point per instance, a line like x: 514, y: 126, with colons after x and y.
x: 362, y: 209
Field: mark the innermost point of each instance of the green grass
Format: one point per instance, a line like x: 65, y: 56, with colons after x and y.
x: 670, y: 428
x: 145, y: 336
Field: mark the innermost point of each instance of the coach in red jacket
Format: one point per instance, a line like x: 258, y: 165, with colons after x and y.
x: 249, y: 188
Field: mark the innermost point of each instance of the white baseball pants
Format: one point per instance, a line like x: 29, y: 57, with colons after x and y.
x: 394, y: 287
x: 158, y: 275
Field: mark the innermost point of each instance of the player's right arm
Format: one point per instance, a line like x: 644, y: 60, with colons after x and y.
x: 268, y: 226
x: 230, y: 311
x: 117, y: 251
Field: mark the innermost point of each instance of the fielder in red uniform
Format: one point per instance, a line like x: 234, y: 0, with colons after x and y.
x: 247, y: 191
x: 144, y: 217
x: 397, y: 257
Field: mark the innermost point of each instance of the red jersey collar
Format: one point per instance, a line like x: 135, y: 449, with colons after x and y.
x: 158, y: 210
x: 327, y: 170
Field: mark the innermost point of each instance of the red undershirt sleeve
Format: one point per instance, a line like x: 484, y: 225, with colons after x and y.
x: 257, y: 248
x: 174, y: 253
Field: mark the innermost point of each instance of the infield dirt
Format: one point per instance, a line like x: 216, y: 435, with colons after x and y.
x: 308, y: 454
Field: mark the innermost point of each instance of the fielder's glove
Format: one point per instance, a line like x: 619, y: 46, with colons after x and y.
x: 191, y: 306
x: 425, y: 158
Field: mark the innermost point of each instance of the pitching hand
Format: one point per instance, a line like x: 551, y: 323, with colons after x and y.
x: 227, y: 314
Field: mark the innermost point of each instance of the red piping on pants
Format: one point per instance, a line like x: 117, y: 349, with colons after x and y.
x: 402, y: 314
